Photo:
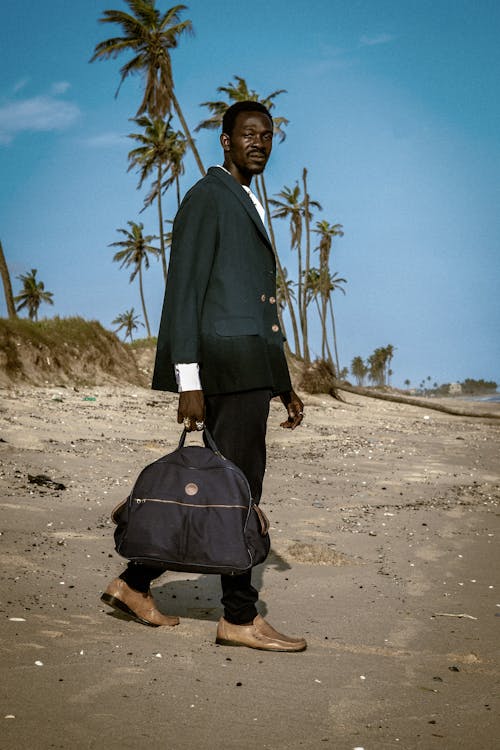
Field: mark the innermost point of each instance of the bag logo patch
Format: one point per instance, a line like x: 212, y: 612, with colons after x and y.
x: 191, y: 489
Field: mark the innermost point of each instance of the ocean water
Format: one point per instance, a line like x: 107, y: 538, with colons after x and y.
x: 493, y: 397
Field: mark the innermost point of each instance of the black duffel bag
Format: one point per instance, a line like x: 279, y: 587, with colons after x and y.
x: 192, y: 511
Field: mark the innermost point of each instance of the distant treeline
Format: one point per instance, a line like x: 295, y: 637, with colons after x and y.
x: 469, y: 386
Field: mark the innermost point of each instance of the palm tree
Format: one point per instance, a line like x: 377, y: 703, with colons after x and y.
x: 149, y: 36
x: 32, y: 294
x: 290, y: 206
x: 262, y: 194
x: 178, y: 146
x: 161, y: 150
x: 284, y: 292
x: 307, y: 204
x: 312, y: 291
x: 128, y: 320
x: 389, y: 351
x: 239, y: 92
x: 335, y: 282
x: 135, y: 252
x: 7, y: 286
x: 326, y: 232
x: 328, y: 283
x: 322, y: 284
x: 359, y: 370
x: 377, y: 362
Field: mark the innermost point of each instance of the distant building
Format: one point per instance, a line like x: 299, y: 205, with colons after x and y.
x: 455, y: 389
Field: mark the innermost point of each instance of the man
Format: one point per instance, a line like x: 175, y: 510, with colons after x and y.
x: 220, y: 345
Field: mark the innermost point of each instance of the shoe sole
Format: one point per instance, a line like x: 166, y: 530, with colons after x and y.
x: 112, y: 601
x: 224, y: 642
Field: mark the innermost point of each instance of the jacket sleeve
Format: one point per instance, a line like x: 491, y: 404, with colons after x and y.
x: 194, y: 243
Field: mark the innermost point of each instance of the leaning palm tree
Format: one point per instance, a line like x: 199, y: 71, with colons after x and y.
x: 128, y: 320
x: 7, y: 286
x: 240, y: 92
x: 149, y: 36
x: 32, y: 294
x: 161, y: 151
x: 135, y: 252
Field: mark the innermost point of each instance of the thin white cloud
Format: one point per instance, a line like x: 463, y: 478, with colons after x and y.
x: 106, y: 140
x: 370, y: 41
x: 60, y: 87
x: 39, y: 113
x: 20, y: 84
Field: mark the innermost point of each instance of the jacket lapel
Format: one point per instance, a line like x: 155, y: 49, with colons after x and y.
x: 243, y: 197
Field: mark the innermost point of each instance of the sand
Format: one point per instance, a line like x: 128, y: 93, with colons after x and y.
x: 385, y: 529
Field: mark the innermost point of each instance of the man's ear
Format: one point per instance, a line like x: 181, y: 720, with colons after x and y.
x: 225, y: 141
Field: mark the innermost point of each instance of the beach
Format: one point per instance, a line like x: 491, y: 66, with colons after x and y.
x: 385, y: 528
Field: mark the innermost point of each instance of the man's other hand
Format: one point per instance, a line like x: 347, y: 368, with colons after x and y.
x: 295, y: 409
x: 191, y: 410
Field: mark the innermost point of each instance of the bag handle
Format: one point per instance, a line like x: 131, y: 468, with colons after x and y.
x: 208, y: 437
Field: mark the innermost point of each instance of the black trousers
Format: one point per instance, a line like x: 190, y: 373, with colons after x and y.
x: 237, y: 423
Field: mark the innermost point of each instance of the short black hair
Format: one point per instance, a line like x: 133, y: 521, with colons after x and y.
x: 233, y: 111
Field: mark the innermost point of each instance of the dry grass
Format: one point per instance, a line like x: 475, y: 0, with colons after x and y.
x: 146, y: 343
x: 319, y: 377
x: 60, y: 350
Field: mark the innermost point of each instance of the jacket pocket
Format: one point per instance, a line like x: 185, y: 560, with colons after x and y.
x: 236, y: 327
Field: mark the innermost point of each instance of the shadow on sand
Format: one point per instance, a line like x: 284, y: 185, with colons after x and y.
x: 198, y: 596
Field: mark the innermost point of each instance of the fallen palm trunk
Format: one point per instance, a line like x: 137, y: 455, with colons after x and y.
x: 426, y: 404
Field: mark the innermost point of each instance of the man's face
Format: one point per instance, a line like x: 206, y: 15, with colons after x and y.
x: 249, y: 146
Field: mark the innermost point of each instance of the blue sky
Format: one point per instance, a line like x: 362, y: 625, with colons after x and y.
x: 393, y: 108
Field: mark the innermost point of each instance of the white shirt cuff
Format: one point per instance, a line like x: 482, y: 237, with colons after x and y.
x: 188, y: 376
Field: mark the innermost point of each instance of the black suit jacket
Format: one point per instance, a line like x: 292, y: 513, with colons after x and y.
x: 220, y: 299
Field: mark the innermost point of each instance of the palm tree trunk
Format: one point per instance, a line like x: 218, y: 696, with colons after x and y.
x: 308, y: 264
x: 325, y: 349
x: 178, y: 190
x: 282, y: 326
x: 141, y: 290
x: 425, y: 403
x: 300, y: 294
x: 188, y: 135
x: 323, y: 327
x: 334, y: 331
x: 160, y: 221
x: 7, y: 286
x: 262, y: 193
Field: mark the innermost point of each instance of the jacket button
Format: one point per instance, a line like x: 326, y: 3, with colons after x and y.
x: 272, y: 300
x: 275, y: 328
x: 263, y: 298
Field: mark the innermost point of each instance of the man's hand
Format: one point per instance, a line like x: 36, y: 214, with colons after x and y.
x: 191, y: 410
x: 295, y: 409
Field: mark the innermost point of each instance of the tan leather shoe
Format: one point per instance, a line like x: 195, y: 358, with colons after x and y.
x: 141, y: 607
x: 259, y: 634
